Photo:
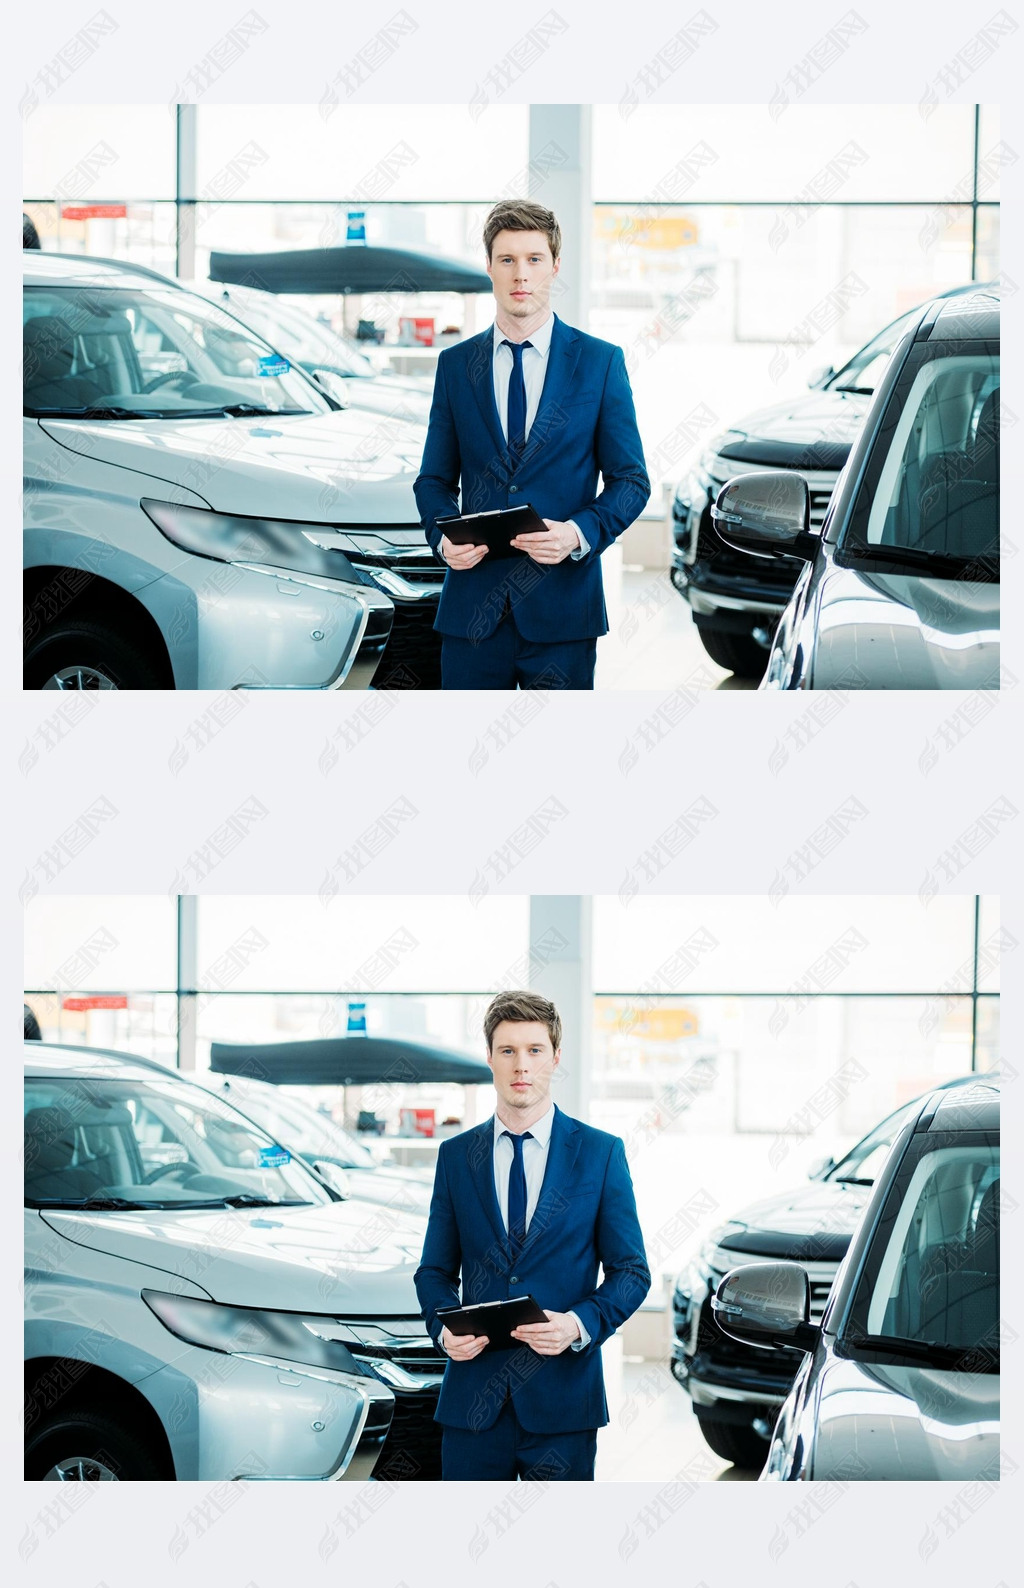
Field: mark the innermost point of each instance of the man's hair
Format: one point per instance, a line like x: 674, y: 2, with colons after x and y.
x: 522, y: 215
x: 523, y: 1006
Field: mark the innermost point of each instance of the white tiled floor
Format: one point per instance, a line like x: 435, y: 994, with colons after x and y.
x: 653, y: 1435
x: 652, y: 642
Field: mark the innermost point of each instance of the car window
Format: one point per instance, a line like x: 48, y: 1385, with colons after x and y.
x: 931, y: 488
x: 150, y: 351
x: 932, y: 1274
x: 150, y: 1142
x: 865, y: 1159
x: 864, y: 370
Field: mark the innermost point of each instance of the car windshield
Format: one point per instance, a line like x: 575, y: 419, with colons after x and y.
x: 150, y: 1143
x: 864, y: 370
x: 931, y: 1276
x: 863, y: 1162
x: 930, y: 495
x: 304, y: 1128
x: 153, y: 352
x: 300, y: 336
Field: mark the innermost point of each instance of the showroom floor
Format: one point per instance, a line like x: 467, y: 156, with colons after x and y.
x: 652, y: 643
x: 653, y: 1435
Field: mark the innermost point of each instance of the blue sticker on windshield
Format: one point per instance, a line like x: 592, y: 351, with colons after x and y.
x: 273, y: 364
x: 274, y: 1157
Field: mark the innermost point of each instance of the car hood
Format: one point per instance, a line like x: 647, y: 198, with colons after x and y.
x: 812, y: 1222
x: 901, y: 631
x: 380, y: 1185
x: 348, y: 466
x: 877, y: 1421
x: 814, y: 431
x: 348, y: 1255
x: 384, y: 396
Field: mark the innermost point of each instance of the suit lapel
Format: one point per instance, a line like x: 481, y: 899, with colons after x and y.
x: 563, y: 357
x: 563, y: 1150
x: 480, y: 368
x: 480, y: 1158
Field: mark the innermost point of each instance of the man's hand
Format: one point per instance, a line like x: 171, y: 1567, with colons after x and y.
x: 460, y: 557
x: 462, y: 1347
x: 552, y: 545
x: 551, y: 1338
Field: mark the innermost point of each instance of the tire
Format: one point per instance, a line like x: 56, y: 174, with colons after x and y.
x: 735, y: 1442
x: 107, y: 1450
x: 87, y: 655
x: 738, y: 653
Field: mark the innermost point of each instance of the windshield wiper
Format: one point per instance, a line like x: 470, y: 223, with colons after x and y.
x: 248, y: 410
x: 934, y: 562
x: 922, y: 1350
x: 96, y: 413
x: 247, y: 1199
x: 92, y: 1204
x: 850, y: 1179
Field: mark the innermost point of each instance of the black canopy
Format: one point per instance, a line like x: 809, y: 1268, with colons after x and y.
x: 346, y: 1061
x: 356, y: 268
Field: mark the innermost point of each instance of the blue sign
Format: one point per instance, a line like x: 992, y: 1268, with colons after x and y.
x: 273, y: 364
x: 356, y: 229
x: 274, y: 1157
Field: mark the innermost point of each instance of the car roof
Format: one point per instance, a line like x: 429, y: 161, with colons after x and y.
x: 971, y: 316
x: 58, y: 1058
x: 84, y: 270
x: 974, y: 1107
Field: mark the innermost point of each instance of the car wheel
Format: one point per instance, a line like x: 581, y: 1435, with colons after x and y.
x: 82, y: 655
x: 85, y: 1445
x: 738, y: 653
x: 735, y: 1442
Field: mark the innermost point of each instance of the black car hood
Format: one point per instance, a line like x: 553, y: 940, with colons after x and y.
x: 812, y: 432
x: 811, y: 1223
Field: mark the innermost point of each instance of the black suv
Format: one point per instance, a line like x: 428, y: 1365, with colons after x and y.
x: 736, y: 599
x: 737, y: 1389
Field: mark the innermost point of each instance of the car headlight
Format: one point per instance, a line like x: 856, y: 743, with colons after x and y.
x: 256, y: 542
x: 694, y: 482
x: 712, y: 1241
x: 247, y: 1331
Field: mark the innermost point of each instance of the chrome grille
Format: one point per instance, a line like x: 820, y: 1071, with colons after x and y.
x: 404, y: 1342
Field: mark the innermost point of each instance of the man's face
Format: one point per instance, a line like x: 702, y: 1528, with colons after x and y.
x: 521, y: 269
x: 523, y: 1062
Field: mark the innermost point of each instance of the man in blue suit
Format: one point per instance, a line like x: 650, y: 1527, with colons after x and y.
x: 529, y: 1203
x: 530, y: 411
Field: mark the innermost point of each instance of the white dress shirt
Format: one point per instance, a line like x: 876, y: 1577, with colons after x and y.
x: 535, y: 1158
x: 535, y: 364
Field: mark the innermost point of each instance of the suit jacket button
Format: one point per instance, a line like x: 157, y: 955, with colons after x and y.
x: 513, y: 488
x: 514, y: 1280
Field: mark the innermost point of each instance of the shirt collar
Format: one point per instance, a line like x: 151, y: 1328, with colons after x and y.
x: 540, y: 1130
x: 540, y: 339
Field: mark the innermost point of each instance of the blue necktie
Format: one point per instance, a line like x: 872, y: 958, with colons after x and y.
x: 517, y: 401
x: 517, y: 1191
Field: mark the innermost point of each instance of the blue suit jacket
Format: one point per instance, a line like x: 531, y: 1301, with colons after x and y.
x: 585, y: 426
x: 585, y: 1216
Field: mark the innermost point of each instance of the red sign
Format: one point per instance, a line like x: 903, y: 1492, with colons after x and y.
x: 416, y: 1121
x: 94, y: 212
x: 97, y: 1001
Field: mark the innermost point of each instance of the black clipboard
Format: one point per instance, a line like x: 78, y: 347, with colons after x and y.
x: 496, y: 1319
x: 495, y: 529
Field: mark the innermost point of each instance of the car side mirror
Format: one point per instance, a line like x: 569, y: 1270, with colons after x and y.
x: 766, y: 513
x: 766, y: 1304
x: 331, y: 384
x: 335, y: 1176
x: 820, y: 375
x: 820, y: 1167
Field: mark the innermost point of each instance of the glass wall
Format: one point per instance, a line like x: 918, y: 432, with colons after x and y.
x: 737, y: 250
